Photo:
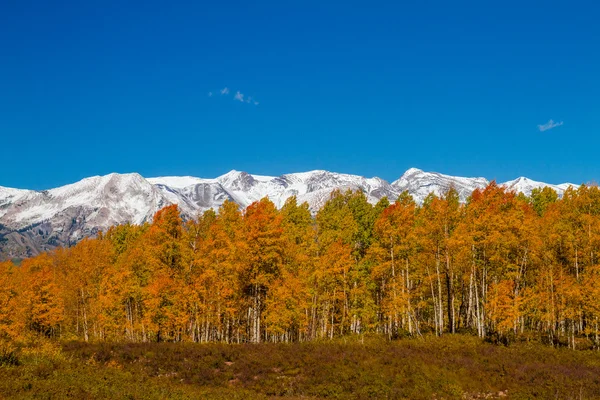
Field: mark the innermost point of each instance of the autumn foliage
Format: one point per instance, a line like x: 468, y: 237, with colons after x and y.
x: 501, y: 266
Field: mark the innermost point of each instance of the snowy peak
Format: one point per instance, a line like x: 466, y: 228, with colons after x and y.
x: 9, y: 196
x: 420, y: 184
x: 522, y: 184
x: 319, y: 179
x: 108, y: 185
x: 412, y: 171
x: 6, y: 192
x: 238, y: 180
x: 525, y: 185
x: 102, y: 201
x: 316, y: 186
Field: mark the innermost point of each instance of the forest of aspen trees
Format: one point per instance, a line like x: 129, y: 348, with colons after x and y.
x: 501, y: 265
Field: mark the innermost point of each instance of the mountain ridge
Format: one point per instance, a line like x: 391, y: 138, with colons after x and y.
x: 34, y: 221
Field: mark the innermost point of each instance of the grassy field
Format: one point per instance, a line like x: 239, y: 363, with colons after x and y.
x: 451, y: 367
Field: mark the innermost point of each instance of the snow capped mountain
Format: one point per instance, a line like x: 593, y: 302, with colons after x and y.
x: 313, y: 187
x: 34, y: 221
x: 105, y: 200
x: 7, y: 193
x: 526, y: 186
x: 9, y: 196
x: 419, y: 184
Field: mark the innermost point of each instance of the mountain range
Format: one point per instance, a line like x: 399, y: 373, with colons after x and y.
x: 34, y: 221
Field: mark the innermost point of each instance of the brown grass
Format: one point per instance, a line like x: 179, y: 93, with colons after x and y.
x: 451, y: 367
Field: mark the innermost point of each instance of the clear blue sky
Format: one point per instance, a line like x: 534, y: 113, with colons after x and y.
x: 93, y: 87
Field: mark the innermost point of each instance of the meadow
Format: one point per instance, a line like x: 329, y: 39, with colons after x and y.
x: 448, y: 367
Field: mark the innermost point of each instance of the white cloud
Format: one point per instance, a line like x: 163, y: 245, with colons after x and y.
x: 549, y: 125
x: 239, y: 96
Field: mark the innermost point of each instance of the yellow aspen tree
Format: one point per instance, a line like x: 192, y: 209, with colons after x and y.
x: 44, y: 306
x: 11, y: 322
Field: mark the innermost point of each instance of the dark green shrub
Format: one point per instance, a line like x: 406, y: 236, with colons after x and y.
x: 9, y: 357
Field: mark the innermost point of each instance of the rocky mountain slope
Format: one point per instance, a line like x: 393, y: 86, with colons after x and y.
x: 34, y: 221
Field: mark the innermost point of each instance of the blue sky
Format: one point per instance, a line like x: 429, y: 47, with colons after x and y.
x: 373, y: 88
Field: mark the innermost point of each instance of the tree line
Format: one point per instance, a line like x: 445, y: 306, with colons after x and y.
x: 501, y: 265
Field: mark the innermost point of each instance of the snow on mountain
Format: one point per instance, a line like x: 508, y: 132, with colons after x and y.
x: 313, y: 187
x: 107, y: 200
x: 9, y: 196
x: 40, y: 220
x: 6, y: 193
x: 526, y: 186
x: 199, y: 197
x: 33, y: 221
x: 565, y: 186
x: 178, y: 182
x: 419, y: 184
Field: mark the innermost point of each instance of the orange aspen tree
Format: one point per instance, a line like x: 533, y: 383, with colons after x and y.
x: 262, y: 261
x: 11, y: 322
x: 43, y: 300
x: 289, y: 305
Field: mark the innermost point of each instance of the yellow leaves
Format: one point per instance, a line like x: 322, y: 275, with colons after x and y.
x: 335, y: 220
x: 44, y: 306
x: 504, y: 305
x: 165, y: 308
x: 591, y: 294
x: 263, y: 240
x: 285, y: 305
x: 11, y: 325
x: 334, y: 264
x: 168, y: 221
